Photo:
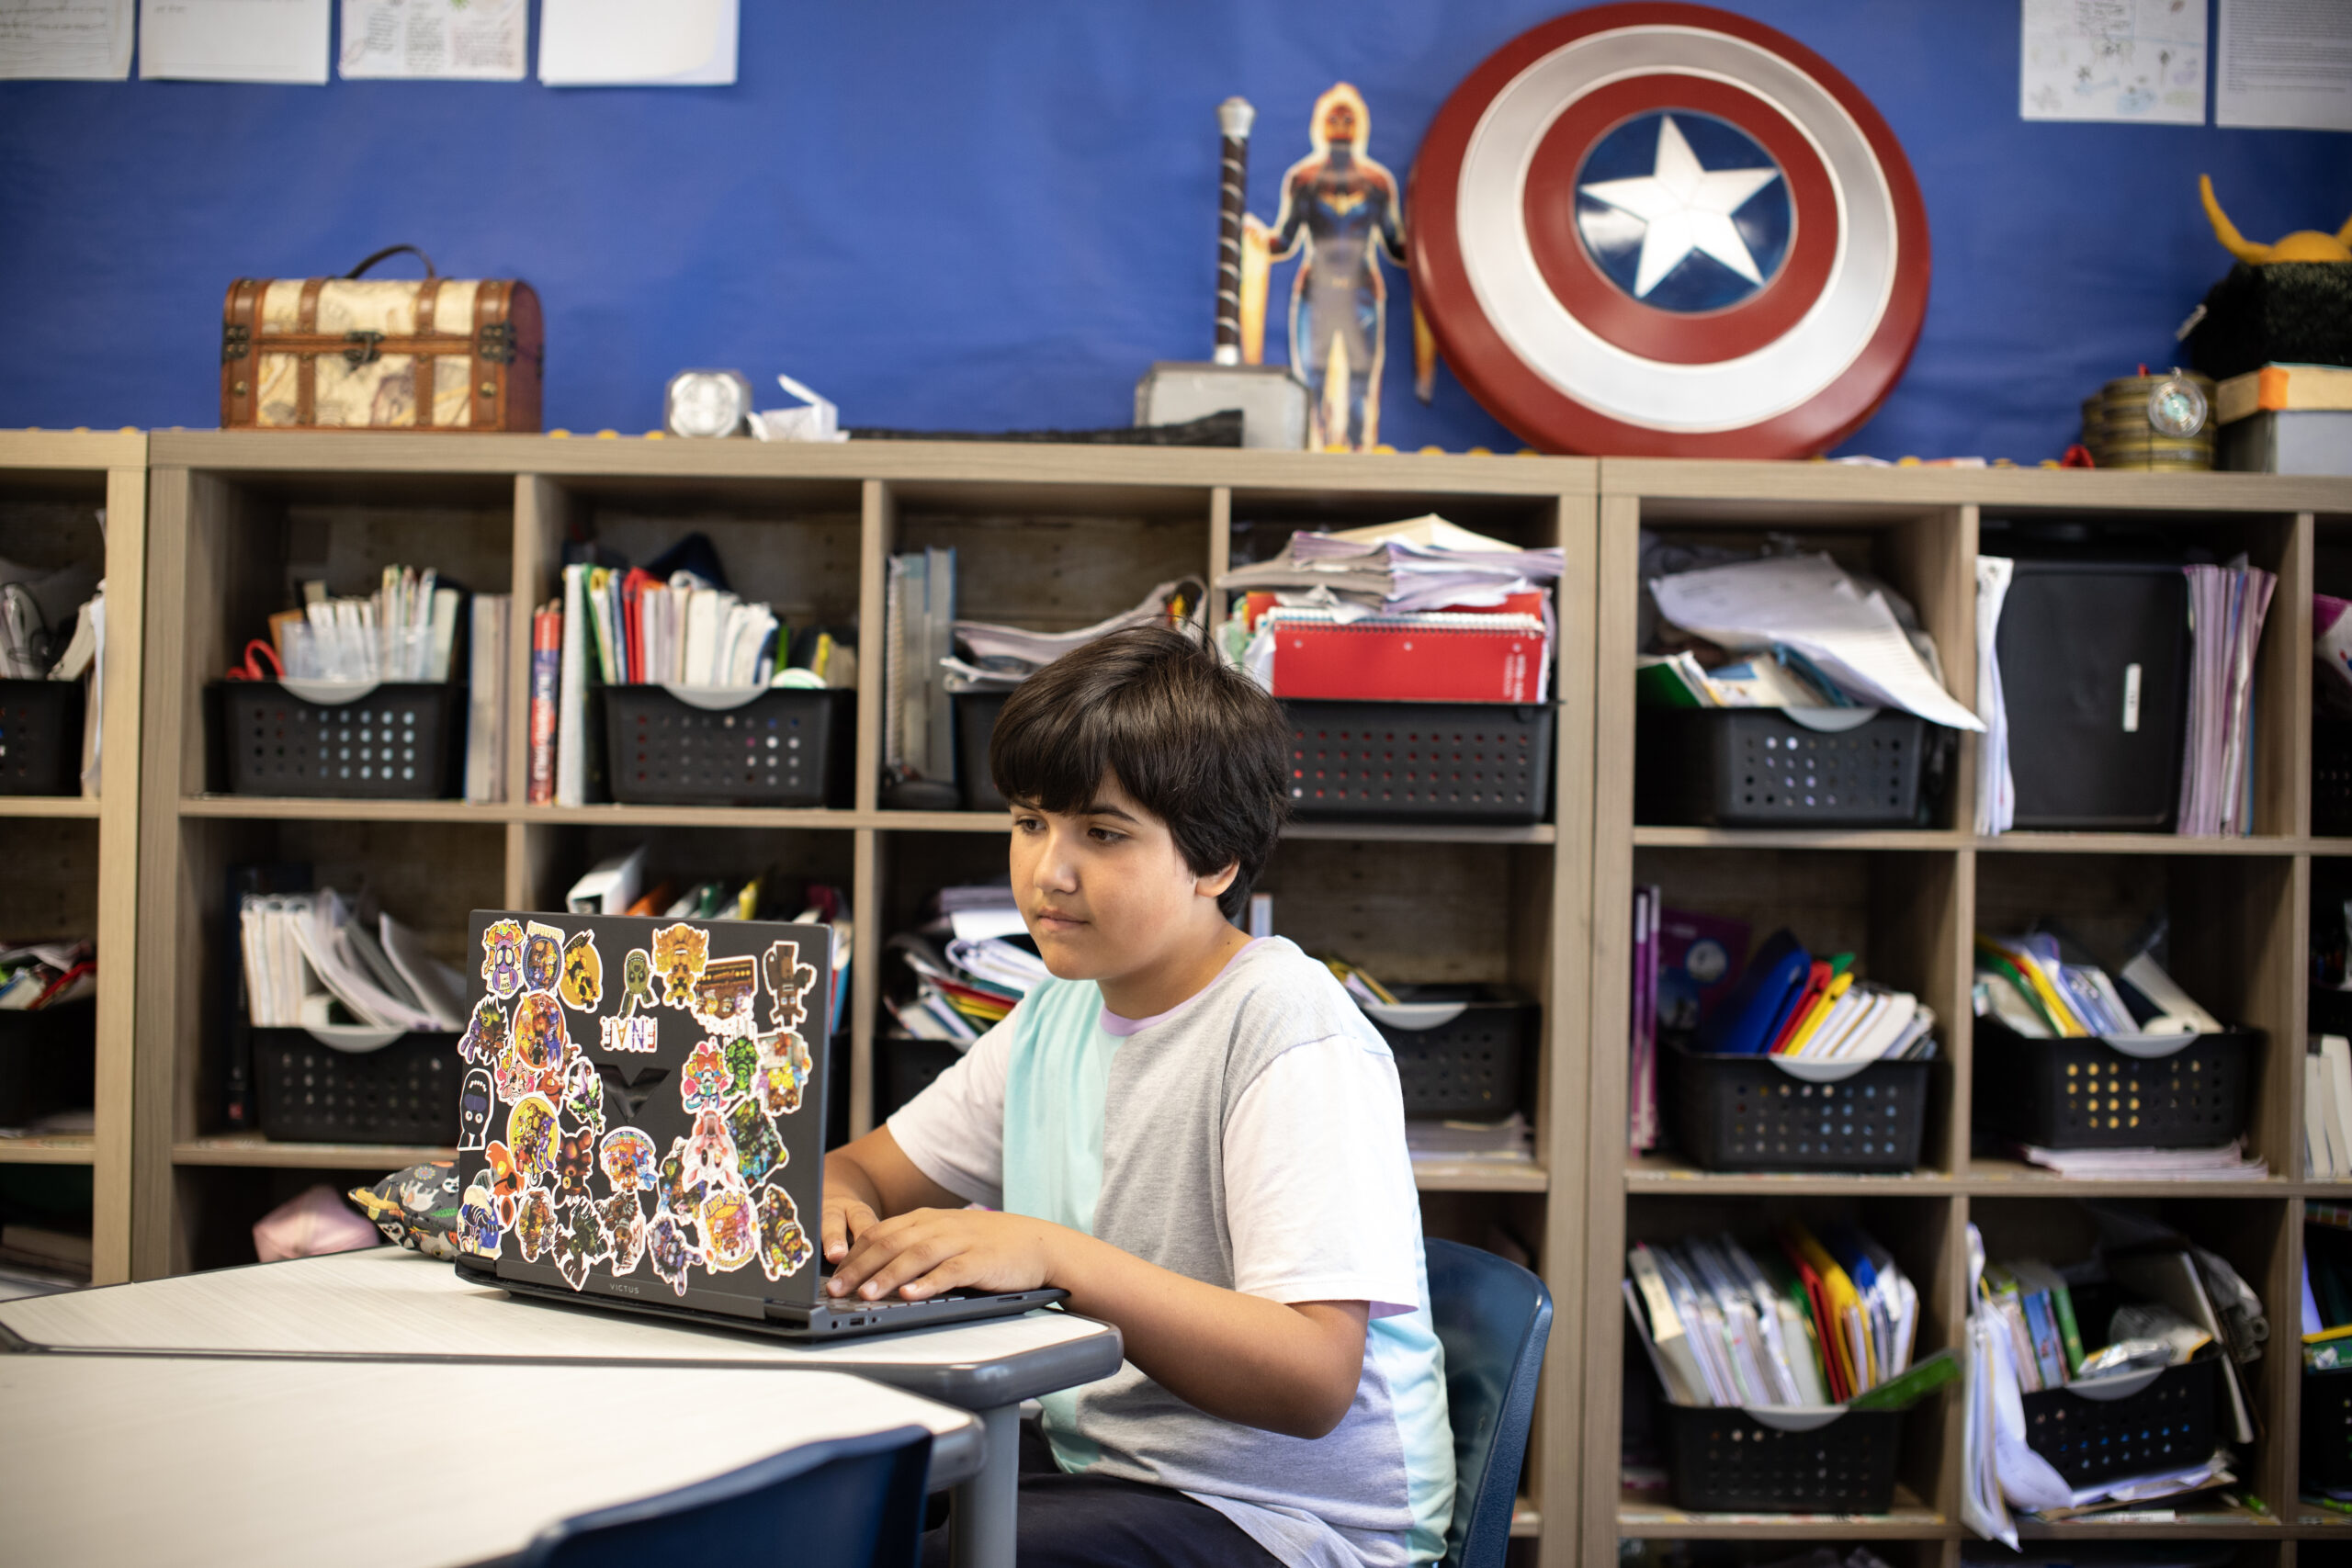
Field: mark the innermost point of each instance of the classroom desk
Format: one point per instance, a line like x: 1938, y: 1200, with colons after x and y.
x: 378, y: 1464
x: 387, y: 1304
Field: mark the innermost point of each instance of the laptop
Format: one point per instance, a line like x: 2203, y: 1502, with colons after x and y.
x: 641, y: 1124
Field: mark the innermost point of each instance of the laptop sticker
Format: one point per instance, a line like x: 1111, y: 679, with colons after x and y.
x: 742, y: 1066
x: 583, y: 1094
x: 679, y: 954
x: 530, y: 1137
x: 474, y: 1106
x: 709, y: 1161
x: 789, y: 982
x: 783, y: 1246
x: 575, y: 1163
x: 542, y: 956
x: 506, y: 1181
x: 704, y: 1086
x: 784, y: 1071
x: 729, y: 1229
x: 636, y: 982
x: 580, y: 1243
x: 666, y: 1246
x: 541, y: 1040
x: 501, y: 957
x: 627, y: 1158
x: 583, y: 973
x: 535, y: 1223
x: 485, y: 1035
x: 722, y: 996
x: 624, y: 1226
x: 479, y: 1230
x: 641, y: 1032
x: 758, y: 1150
x: 681, y: 1197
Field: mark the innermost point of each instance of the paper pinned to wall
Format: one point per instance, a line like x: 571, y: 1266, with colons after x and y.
x: 660, y: 43
x: 2285, y: 64
x: 2115, y: 60
x: 465, y: 41
x: 234, y: 40
x: 65, y: 40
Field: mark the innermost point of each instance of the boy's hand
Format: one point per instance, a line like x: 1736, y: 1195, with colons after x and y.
x: 847, y: 1217
x: 928, y: 1251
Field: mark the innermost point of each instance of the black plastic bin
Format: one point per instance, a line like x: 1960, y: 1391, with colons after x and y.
x: 974, y: 725
x: 1782, y: 1461
x: 48, y: 1061
x: 1758, y: 768
x: 399, y: 740
x: 2087, y: 1093
x: 402, y: 1091
x: 2331, y: 777
x: 2327, y: 1430
x: 784, y: 746
x: 1462, y: 1050
x: 1766, y: 1113
x: 2114, y: 1428
x: 1421, y: 762
x: 40, y: 737
x: 904, y: 1067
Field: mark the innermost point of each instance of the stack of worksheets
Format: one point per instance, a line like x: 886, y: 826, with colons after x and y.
x: 2227, y: 605
x: 2327, y: 1107
x: 991, y: 658
x: 404, y: 631
x: 969, y: 967
x: 309, y: 963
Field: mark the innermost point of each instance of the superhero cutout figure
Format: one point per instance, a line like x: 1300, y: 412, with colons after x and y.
x: 1341, y: 209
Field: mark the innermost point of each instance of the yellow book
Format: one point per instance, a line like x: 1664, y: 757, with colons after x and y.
x: 1820, y: 1009
x: 1851, y: 1336
x: 2053, y: 1002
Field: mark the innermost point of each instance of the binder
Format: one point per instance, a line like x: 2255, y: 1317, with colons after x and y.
x: 1745, y: 1020
x: 1422, y: 658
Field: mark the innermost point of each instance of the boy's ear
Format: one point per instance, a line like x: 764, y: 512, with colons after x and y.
x: 1214, y: 884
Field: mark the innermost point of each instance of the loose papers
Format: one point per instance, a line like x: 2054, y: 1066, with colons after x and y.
x: 2119, y: 59
x: 2286, y: 64
x: 470, y: 40
x: 65, y: 40
x: 234, y: 40
x: 609, y: 43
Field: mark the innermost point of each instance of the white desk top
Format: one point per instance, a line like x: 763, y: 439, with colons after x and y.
x: 158, y: 1461
x: 388, y: 1303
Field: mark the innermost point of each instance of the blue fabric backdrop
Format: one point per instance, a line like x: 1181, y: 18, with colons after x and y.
x: 989, y: 216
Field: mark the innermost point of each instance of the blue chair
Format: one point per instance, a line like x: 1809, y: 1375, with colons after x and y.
x: 850, y: 1503
x: 1491, y: 1316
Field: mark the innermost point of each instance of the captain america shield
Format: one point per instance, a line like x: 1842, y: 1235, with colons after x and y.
x: 1665, y: 231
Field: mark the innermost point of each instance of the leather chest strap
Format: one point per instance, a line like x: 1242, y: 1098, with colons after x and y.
x: 487, y: 376
x: 306, y: 366
x: 428, y: 302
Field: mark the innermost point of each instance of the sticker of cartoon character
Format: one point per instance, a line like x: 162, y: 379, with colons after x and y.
x: 783, y: 1247
x: 485, y: 1037
x: 670, y: 1249
x: 627, y: 1158
x: 535, y: 1223
x: 788, y: 984
x: 530, y: 1137
x: 624, y: 1226
x: 731, y: 1230
x: 784, y: 1069
x: 501, y: 957
x: 541, y: 1040
x: 704, y: 1083
x: 542, y: 956
x: 583, y: 973
x: 758, y: 1150
x: 722, y: 997
x: 679, y: 954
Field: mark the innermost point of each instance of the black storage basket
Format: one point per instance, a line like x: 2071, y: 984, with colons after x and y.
x: 404, y: 1093
x: 40, y: 737
x: 2171, y: 1423
x: 1727, y: 1460
x: 904, y: 1067
x: 786, y: 747
x: 2327, y: 1430
x: 1756, y: 768
x: 48, y: 1061
x: 1752, y: 1113
x: 1472, y: 1067
x: 398, y: 742
x: 974, y: 725
x: 1420, y: 762
x: 2084, y: 1093
x: 2331, y: 777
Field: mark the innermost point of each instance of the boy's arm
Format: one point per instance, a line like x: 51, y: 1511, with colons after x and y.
x: 871, y: 1178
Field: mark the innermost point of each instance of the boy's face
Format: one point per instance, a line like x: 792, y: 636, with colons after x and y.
x: 1105, y: 891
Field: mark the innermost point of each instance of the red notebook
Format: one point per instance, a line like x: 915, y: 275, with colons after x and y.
x: 1384, y: 661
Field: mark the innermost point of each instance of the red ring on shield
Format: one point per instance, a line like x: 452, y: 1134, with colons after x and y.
x: 1678, y: 337
x: 1541, y: 413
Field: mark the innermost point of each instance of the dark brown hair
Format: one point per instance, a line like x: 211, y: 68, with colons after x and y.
x: 1196, y: 742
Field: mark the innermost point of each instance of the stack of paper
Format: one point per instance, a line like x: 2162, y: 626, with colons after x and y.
x: 1507, y: 1142
x: 1790, y: 1003
x: 486, y: 707
x: 991, y: 658
x: 46, y: 974
x: 918, y: 721
x: 966, y: 987
x: 2226, y: 606
x: 406, y: 630
x: 309, y: 963
x: 2037, y: 987
x: 2228, y: 1163
x: 1422, y: 563
x: 2327, y: 1107
x: 1997, y: 789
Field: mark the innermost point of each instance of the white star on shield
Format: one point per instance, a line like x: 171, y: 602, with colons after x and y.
x: 1684, y: 208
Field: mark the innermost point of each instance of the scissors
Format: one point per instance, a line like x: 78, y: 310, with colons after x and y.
x: 251, y: 671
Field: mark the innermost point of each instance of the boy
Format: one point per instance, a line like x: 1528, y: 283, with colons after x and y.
x: 1195, y: 1135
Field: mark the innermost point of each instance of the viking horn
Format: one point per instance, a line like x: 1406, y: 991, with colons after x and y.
x: 2344, y: 235
x: 2237, y: 245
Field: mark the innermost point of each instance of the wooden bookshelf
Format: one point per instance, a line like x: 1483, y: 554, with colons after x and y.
x: 74, y: 860
x: 1909, y: 900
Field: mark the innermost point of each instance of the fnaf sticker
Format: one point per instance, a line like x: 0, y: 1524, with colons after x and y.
x: 627, y: 1158
x: 721, y: 997
x: 541, y: 1041
x: 679, y: 954
x: 677, y: 1194
x: 485, y: 1037
x: 535, y: 1223
x: 758, y: 1150
x: 636, y: 982
x: 788, y: 983
x: 623, y: 1222
x: 583, y: 973
x: 542, y: 956
x: 709, y: 1161
x: 479, y: 1227
x: 742, y: 1066
x: 575, y: 1163
x: 730, y: 1231
x: 704, y: 1086
x: 666, y: 1245
x: 506, y: 1179
x: 501, y: 957
x: 530, y: 1137
x: 514, y: 1080
x: 783, y: 1247
x: 474, y: 1106
x: 784, y: 1071
x: 583, y: 1094
x: 580, y: 1243
x: 641, y: 1032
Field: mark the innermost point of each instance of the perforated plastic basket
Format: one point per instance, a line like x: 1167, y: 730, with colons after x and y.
x: 1462, y: 1050
x: 40, y: 737
x: 48, y: 1060
x: 786, y: 746
x: 2169, y: 1421
x: 1756, y: 768
x: 975, y: 727
x: 1420, y: 762
x: 2327, y: 1430
x: 1764, y: 1114
x: 404, y: 1091
x: 1782, y: 1461
x: 2331, y: 776
x: 2087, y: 1093
x: 396, y: 742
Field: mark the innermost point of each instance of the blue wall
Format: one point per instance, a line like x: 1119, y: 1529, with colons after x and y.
x: 968, y: 216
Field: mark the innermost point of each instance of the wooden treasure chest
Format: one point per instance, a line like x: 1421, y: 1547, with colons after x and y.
x: 353, y: 353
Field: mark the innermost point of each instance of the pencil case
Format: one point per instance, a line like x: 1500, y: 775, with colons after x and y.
x: 1748, y: 1112
x: 1473, y: 762
x: 775, y: 746
x: 1759, y: 768
x: 1782, y: 1461
x: 371, y: 741
x: 1462, y: 1050
x: 2142, y: 1424
x: 359, y: 1086
x: 40, y: 737
x: 2183, y: 1091
x: 48, y: 1060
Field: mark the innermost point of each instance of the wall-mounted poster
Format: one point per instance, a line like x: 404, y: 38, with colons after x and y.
x: 2123, y: 60
x: 656, y: 44
x: 234, y: 40
x: 65, y: 40
x: 464, y: 40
